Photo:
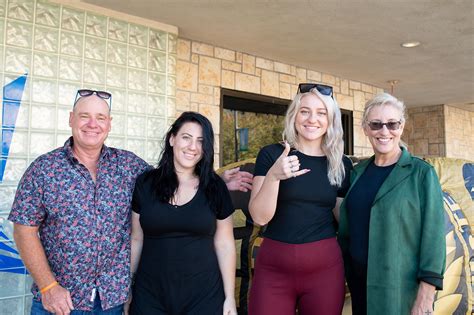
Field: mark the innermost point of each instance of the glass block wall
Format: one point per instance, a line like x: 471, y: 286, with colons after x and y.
x: 59, y: 49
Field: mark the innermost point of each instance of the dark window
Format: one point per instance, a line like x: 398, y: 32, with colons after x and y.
x: 264, y: 118
x: 348, y: 127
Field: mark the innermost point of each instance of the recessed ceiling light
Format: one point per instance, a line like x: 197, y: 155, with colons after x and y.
x: 410, y: 44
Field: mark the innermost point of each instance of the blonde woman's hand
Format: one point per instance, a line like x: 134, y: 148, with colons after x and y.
x: 286, y: 166
x: 229, y: 307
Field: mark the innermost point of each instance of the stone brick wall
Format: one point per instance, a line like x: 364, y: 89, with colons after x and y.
x: 424, y: 131
x: 440, y: 131
x: 202, y: 70
x: 459, y: 128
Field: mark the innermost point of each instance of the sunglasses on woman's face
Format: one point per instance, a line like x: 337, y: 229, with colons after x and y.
x: 102, y: 94
x: 323, y: 89
x: 377, y: 125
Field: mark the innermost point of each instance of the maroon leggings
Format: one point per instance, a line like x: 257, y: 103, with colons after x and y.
x: 308, y: 277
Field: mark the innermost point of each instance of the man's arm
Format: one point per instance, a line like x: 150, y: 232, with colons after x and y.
x: 56, y: 299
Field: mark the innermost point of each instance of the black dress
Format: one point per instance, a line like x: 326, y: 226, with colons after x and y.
x: 178, y: 271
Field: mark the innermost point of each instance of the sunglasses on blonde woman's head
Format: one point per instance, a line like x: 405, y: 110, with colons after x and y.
x: 307, y: 87
x: 377, y: 125
x: 86, y: 92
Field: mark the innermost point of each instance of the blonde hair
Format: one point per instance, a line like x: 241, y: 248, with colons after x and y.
x: 332, y: 144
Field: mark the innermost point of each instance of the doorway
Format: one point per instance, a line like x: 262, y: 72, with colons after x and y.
x: 251, y: 121
x: 257, y: 118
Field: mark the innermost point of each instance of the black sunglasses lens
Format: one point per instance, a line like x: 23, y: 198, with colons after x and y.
x: 304, y: 88
x: 83, y: 93
x: 86, y: 92
x: 375, y: 125
x: 393, y: 125
x: 103, y: 94
x: 324, y: 89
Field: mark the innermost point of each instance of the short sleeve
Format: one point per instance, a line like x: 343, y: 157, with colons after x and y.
x: 28, y: 208
x: 227, y: 207
x: 136, y: 197
x: 346, y: 183
x: 265, y: 159
x: 141, y: 166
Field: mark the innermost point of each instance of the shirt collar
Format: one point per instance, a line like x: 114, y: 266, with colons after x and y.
x: 405, y: 158
x: 67, y: 148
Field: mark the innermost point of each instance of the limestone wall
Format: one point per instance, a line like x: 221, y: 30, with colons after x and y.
x: 203, y: 69
x: 440, y: 131
x: 459, y: 128
x: 424, y: 131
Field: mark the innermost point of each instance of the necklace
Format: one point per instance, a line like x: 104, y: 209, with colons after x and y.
x: 184, y: 194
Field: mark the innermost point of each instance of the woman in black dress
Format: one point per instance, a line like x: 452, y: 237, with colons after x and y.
x: 183, y: 248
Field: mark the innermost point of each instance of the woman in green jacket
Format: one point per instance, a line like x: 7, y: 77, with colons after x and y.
x: 391, y: 222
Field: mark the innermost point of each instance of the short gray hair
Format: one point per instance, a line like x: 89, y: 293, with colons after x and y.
x: 383, y: 99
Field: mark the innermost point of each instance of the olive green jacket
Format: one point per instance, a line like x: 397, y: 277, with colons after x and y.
x: 406, y: 235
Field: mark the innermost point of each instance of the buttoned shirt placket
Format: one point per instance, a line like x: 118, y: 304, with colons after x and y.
x: 97, y: 230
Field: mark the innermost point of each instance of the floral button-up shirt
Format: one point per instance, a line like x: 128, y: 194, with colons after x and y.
x: 84, y: 226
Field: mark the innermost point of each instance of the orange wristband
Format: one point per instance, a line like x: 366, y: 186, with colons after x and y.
x: 48, y: 287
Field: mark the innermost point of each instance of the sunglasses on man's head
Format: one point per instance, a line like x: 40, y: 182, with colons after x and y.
x: 323, y: 89
x: 377, y: 125
x: 86, y: 92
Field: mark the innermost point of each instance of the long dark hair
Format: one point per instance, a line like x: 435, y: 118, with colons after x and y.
x: 165, y: 180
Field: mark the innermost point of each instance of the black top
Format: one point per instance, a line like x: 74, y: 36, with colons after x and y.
x: 178, y: 271
x: 304, y: 206
x: 159, y: 219
x: 359, y: 203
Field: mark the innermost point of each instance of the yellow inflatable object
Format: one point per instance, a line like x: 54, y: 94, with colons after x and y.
x: 456, y: 177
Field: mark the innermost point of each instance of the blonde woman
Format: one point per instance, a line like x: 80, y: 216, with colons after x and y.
x: 297, y: 188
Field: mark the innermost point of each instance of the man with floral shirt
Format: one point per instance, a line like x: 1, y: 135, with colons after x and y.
x: 71, y: 216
